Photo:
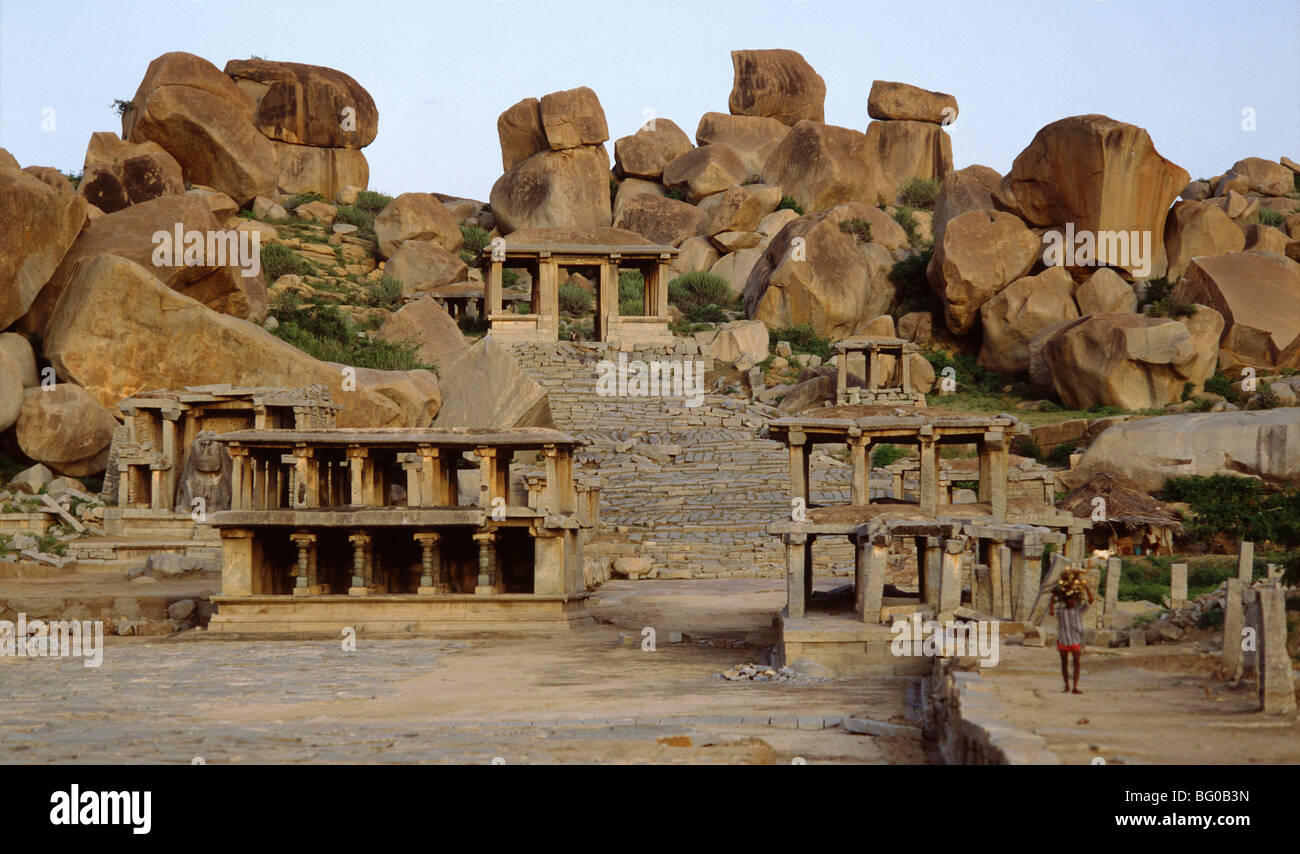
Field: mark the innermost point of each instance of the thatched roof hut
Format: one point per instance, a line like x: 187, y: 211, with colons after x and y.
x: 1129, y: 519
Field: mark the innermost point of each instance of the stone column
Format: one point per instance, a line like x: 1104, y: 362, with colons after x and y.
x: 492, y: 287
x: 308, y: 490
x: 358, y: 459
x: 872, y: 596
x: 548, y: 286
x: 433, y: 573
x: 1276, y: 682
x: 305, y: 583
x: 996, y: 443
x: 1178, y: 585
x: 795, y: 598
x: 1234, y: 620
x: 489, y: 574
x: 873, y: 368
x: 929, y: 475
x: 999, y: 596
x: 362, y: 565
x: 1246, y: 562
x: 237, y: 562
x: 487, y: 476
x: 549, y: 569
x: 929, y: 569
x: 238, y: 474
x: 431, y: 489
x: 842, y: 378
x: 1030, y: 571
x: 905, y: 370
x: 859, y: 446
x: 950, y: 574
x: 1255, y: 622
x: 1114, y: 569
x: 800, y: 455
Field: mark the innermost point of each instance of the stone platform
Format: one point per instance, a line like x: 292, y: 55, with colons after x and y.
x: 398, y: 614
x: 846, y: 646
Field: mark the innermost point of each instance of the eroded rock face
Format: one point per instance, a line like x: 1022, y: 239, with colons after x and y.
x: 776, y: 84
x: 520, y: 130
x: 40, y: 225
x: 645, y: 153
x: 1198, y: 228
x: 307, y: 169
x: 964, y: 190
x: 116, y: 332
x: 573, y: 118
x: 553, y: 189
x: 119, y: 173
x: 1105, y: 292
x: 981, y: 253
x: 1258, y: 296
x: 65, y: 428
x: 753, y: 138
x: 823, y: 165
x: 129, y: 233
x: 667, y: 222
x: 1264, y: 443
x: 416, y: 216
x: 205, y: 121
x: 904, y: 102
x: 424, y: 321
x: 704, y: 171
x: 422, y: 265
x: 1264, y: 176
x: 1020, y: 311
x: 907, y: 150
x: 307, y: 104
x: 11, y: 390
x: 487, y: 386
x: 1127, y: 360
x: 741, y: 342
x: 814, y: 272
x: 1100, y: 175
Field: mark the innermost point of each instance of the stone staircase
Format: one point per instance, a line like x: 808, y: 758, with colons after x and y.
x: 691, y: 488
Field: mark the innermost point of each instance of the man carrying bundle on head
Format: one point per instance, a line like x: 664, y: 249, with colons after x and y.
x: 1069, y: 592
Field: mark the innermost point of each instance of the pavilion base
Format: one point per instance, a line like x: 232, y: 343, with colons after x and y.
x: 846, y: 646
x: 398, y: 614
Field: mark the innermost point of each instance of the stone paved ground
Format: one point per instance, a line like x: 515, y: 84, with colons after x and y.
x: 577, y: 697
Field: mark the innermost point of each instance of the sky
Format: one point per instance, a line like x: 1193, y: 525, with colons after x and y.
x: 1193, y: 73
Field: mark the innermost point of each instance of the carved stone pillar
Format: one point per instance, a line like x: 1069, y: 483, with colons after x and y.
x: 433, y: 573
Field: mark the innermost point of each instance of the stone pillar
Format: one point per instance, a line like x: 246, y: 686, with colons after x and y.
x: 796, y: 594
x: 873, y: 369
x: 929, y: 569
x: 238, y: 457
x: 1234, y: 620
x: 981, y: 589
x: 433, y: 573
x: 996, y: 444
x: 487, y: 477
x: 1114, y: 569
x: 306, y: 582
x: 308, y: 489
x: 431, y: 489
x: 237, y: 562
x: 842, y: 379
x: 607, y: 301
x: 800, y: 455
x: 358, y: 460
x: 492, y: 287
x: 489, y: 573
x: 1276, y: 682
x: 872, y: 597
x: 1074, y: 545
x: 1178, y: 585
x: 1030, y: 571
x: 905, y: 370
x: 859, y: 447
x: 950, y: 574
x: 1254, y: 621
x: 549, y: 574
x: 1246, y: 562
x: 929, y: 479
x: 999, y: 595
x: 362, y: 564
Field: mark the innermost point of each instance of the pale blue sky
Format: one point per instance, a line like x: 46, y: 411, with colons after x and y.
x: 440, y: 73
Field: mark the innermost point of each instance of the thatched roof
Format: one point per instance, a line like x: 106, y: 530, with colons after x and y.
x: 1126, y: 503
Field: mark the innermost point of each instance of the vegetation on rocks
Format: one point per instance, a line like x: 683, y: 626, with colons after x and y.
x: 921, y: 193
x: 327, y: 334
x: 701, y: 296
x: 803, y: 338
x: 1238, y: 508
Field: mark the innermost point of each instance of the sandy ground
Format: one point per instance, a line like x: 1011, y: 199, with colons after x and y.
x: 1151, y: 705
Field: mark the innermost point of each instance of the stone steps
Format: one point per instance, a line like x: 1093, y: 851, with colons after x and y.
x: 692, y: 488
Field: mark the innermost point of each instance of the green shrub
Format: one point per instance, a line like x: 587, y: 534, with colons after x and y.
x: 913, y: 291
x: 574, y: 300
x: 1060, y: 454
x: 1271, y: 217
x: 278, y: 259
x: 327, y: 334
x: 676, y: 195
x: 631, y: 293
x: 509, y: 278
x: 1221, y: 384
x: 121, y: 107
x: 476, y: 240
x: 1158, y: 300
x: 788, y: 203
x: 362, y: 218
x: 803, y: 338
x: 1237, y: 507
x: 698, y: 289
x: 74, y: 178
x: 1267, y: 397
x: 886, y: 454
x: 970, y: 375
x: 858, y: 227
x: 921, y: 193
x: 903, y: 216
x: 706, y: 314
x: 302, y: 199
x: 385, y: 293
